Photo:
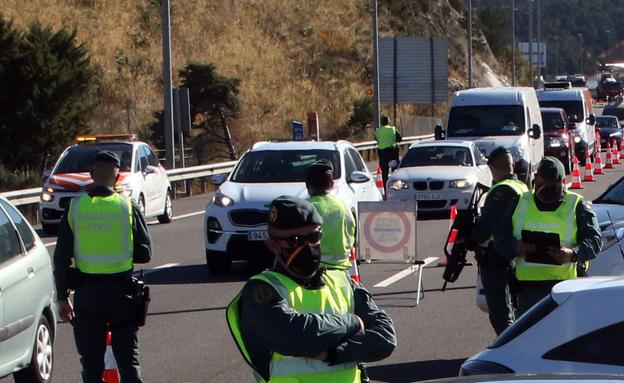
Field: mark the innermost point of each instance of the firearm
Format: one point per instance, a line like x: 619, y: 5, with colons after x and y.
x: 461, y: 229
x: 142, y: 297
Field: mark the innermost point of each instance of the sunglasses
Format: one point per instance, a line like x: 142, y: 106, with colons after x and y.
x: 299, y: 240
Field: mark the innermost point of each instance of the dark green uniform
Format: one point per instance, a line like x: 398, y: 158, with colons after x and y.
x: 103, y: 298
x: 496, y: 271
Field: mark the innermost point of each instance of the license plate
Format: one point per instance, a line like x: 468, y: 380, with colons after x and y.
x: 257, y: 235
x: 428, y: 197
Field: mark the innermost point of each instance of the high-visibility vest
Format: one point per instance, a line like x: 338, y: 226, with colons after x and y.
x: 386, y: 137
x: 561, y: 221
x: 336, y: 297
x: 338, y: 231
x: 518, y: 187
x: 102, y: 228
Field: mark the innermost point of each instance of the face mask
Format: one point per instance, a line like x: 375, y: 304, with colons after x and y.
x: 548, y: 194
x: 303, y: 261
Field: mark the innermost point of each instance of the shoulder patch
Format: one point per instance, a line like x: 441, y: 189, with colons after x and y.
x: 263, y: 294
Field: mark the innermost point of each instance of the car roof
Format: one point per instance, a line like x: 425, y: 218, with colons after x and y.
x: 619, y: 105
x: 551, y: 110
x: 606, y: 117
x: 298, y: 145
x: 560, y: 94
x: 490, y: 96
x: 463, y: 144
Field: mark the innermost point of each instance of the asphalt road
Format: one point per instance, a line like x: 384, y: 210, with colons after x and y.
x: 186, y: 337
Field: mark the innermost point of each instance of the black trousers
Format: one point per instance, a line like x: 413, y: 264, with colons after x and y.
x: 96, y: 304
x: 532, y: 292
x: 385, y: 156
x: 497, y: 279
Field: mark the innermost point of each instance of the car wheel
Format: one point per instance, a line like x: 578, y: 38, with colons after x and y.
x: 218, y: 263
x: 167, y: 215
x: 142, y: 205
x: 40, y: 368
x: 49, y: 228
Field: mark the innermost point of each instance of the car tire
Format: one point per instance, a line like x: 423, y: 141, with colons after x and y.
x: 49, y: 228
x: 40, y: 368
x: 167, y: 215
x: 218, y: 263
x: 142, y: 205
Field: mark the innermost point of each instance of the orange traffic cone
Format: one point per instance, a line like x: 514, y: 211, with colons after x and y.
x: 598, y: 167
x: 616, y: 154
x: 111, y: 375
x: 622, y: 150
x: 380, y: 184
x: 354, y: 272
x: 589, y: 169
x: 453, y: 236
x: 609, y: 164
x: 576, y: 176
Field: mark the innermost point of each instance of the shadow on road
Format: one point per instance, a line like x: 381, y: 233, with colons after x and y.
x: 192, y: 274
x: 415, y: 371
x: 432, y: 216
x: 186, y: 311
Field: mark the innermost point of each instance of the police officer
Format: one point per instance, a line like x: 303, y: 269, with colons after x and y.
x: 387, y: 149
x: 300, y: 322
x: 338, y: 223
x: 549, y: 208
x: 497, y: 271
x: 105, y: 234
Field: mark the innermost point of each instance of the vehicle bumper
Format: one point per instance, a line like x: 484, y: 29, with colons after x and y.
x: 458, y: 197
x: 52, y: 211
x: 234, y: 240
x: 580, y: 149
x: 561, y: 153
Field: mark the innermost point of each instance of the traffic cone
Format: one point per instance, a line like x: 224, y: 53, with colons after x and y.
x: 616, y: 154
x: 589, y: 169
x: 576, y: 176
x: 609, y: 155
x: 598, y: 167
x: 380, y: 184
x: 354, y: 272
x: 622, y: 150
x: 111, y: 375
x: 453, y: 236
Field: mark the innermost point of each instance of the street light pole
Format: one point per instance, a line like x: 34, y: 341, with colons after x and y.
x: 376, y: 101
x: 168, y: 96
x: 539, y: 39
x: 531, y: 40
x: 513, y: 42
x: 470, y: 81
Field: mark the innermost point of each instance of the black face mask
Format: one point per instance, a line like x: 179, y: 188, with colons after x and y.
x: 305, y: 263
x: 548, y: 194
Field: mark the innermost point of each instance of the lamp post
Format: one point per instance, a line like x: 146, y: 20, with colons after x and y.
x: 539, y: 40
x: 167, y: 91
x: 376, y: 101
x: 513, y: 42
x: 580, y: 36
x: 470, y: 81
x: 531, y: 40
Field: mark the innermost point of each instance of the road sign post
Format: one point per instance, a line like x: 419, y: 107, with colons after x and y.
x: 297, y: 130
x: 313, y: 126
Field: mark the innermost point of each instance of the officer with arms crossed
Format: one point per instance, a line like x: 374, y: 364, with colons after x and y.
x: 497, y: 271
x: 300, y: 322
x: 105, y: 234
x: 387, y: 148
x: 548, y: 209
x: 338, y: 223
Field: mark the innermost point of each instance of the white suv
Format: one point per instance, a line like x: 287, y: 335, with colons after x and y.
x: 141, y: 177
x: 235, y: 222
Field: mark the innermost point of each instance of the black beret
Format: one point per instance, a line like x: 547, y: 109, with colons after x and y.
x: 551, y: 169
x: 320, y: 167
x: 497, y: 153
x: 107, y: 156
x: 288, y: 212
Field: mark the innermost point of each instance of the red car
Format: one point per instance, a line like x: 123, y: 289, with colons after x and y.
x: 558, y: 140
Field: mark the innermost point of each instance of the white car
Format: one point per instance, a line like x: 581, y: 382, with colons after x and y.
x: 609, y: 206
x: 439, y: 174
x: 141, y: 177
x: 610, y: 260
x: 578, y: 328
x: 27, y: 300
x: 236, y: 218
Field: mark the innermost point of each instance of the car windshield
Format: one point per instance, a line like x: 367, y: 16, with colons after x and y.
x: 614, y: 194
x: 572, y: 108
x: 618, y: 112
x: 487, y: 120
x: 79, y: 159
x: 281, y: 165
x: 437, y: 156
x: 606, y: 122
x: 552, y: 122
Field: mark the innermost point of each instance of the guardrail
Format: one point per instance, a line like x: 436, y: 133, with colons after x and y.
x: 31, y: 196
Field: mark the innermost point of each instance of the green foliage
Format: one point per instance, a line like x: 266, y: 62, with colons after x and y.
x: 360, y: 120
x: 48, y: 94
x: 494, y: 25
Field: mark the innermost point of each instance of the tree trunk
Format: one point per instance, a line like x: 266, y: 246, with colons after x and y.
x: 228, y: 136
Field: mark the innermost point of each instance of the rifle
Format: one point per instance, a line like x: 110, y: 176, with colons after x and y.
x: 463, y: 224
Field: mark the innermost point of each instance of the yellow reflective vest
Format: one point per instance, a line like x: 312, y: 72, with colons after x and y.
x: 518, y: 187
x: 386, y: 137
x: 102, y: 228
x: 338, y: 231
x: 336, y: 297
x: 561, y: 221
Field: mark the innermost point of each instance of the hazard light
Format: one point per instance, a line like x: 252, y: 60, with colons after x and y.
x: 106, y: 137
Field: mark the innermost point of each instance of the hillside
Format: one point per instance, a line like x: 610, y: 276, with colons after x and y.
x: 291, y: 56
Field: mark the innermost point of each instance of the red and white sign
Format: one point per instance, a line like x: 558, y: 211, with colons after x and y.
x: 387, y: 230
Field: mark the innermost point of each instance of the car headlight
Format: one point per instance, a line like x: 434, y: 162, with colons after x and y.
x: 398, y: 185
x: 461, y: 184
x: 124, y: 189
x: 577, y: 139
x: 47, y: 196
x: 222, y: 200
x: 616, y: 133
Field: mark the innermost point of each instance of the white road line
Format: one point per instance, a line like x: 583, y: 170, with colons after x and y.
x: 50, y: 244
x: 402, y: 274
x: 157, y: 268
x: 180, y: 217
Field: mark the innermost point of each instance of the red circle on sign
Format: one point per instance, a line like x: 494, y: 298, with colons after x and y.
x: 387, y: 249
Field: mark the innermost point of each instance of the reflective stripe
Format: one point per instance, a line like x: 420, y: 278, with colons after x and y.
x: 518, y: 187
x: 386, y: 137
x: 338, y: 231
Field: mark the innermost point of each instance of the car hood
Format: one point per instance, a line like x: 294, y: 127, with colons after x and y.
x: 262, y: 193
x: 488, y: 143
x: 605, y: 213
x: 565, y: 289
x: 75, y: 182
x: 434, y: 172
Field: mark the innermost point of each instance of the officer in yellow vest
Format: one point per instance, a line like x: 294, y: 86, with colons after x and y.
x: 548, y: 209
x: 338, y: 221
x: 105, y: 234
x: 387, y: 149
x: 299, y: 322
x: 495, y: 270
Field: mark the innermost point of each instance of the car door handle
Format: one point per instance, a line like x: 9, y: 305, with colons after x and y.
x: 31, y: 272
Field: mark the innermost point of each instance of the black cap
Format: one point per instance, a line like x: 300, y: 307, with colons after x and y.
x: 320, y: 167
x: 551, y: 169
x: 288, y: 212
x: 497, y: 153
x: 107, y: 156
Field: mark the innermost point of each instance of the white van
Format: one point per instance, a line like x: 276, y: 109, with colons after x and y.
x: 577, y: 102
x: 493, y: 117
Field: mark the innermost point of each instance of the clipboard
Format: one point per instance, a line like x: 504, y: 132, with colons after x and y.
x: 542, y: 242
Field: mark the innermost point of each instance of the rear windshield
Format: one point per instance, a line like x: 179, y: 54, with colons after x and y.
x: 79, y: 159
x: 486, y: 120
x: 606, y: 123
x: 618, y: 112
x: 552, y: 121
x: 437, y: 156
x: 572, y: 108
x: 281, y: 165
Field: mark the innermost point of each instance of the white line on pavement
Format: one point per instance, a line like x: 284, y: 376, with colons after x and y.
x: 157, y: 268
x: 404, y: 273
x: 50, y: 244
x: 180, y: 216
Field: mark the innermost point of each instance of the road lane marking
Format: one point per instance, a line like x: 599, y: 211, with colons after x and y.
x: 193, y: 214
x: 157, y: 268
x: 50, y: 244
x: 404, y: 273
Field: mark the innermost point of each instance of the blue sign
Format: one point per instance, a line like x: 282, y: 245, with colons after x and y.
x: 297, y: 128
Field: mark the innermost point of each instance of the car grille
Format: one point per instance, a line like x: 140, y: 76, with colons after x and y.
x: 248, y: 217
x: 431, y: 204
x: 420, y: 185
x: 51, y: 213
x: 433, y: 185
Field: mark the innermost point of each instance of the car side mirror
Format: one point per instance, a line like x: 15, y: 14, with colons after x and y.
x: 218, y: 179
x: 46, y: 174
x: 149, y: 169
x: 482, y: 162
x: 535, y: 132
x: 573, y: 118
x: 359, y: 177
x: 439, y: 133
x: 591, y: 120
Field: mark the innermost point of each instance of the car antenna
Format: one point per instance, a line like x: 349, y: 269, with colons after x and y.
x: 616, y: 234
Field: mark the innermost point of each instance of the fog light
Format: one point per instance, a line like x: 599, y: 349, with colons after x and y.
x: 47, y: 197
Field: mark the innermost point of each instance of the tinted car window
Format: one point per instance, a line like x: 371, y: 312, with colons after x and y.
x: 28, y: 238
x: 349, y: 164
x: 490, y: 120
x: 281, y: 165
x: 571, y: 108
x: 552, y: 121
x: 614, y: 194
x: 79, y: 159
x: 618, y: 112
x: 437, y: 156
x: 606, y: 122
x: 151, y: 158
x: 357, y: 160
x: 9, y: 241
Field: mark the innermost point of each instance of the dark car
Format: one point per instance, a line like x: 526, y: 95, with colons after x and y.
x: 610, y: 129
x: 608, y: 88
x: 558, y: 140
